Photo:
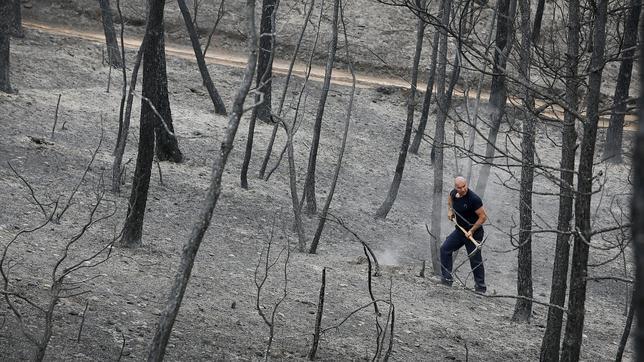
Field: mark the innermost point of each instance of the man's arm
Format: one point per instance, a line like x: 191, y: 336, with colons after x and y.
x: 480, y: 212
x: 450, y: 213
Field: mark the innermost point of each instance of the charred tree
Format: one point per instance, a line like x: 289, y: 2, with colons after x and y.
x: 152, y: 79
x: 613, y: 150
x: 217, y: 102
x: 386, y: 206
x: 523, y: 306
x: 552, y: 335
x: 202, y: 221
x: 113, y: 52
x: 166, y: 144
x: 309, y: 183
x: 264, y: 77
x: 498, y: 91
x: 579, y: 269
x: 18, y: 31
x: 538, y: 18
x: 6, y: 18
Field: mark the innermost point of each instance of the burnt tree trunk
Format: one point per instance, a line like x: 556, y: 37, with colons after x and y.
x: 637, y: 211
x: 264, y: 76
x: 18, y: 31
x: 427, y: 99
x: 309, y: 183
x: 167, y: 146
x: 6, y: 17
x: 552, y: 335
x: 538, y: 18
x: 202, y: 220
x: 498, y: 91
x: 386, y: 206
x: 113, y: 52
x: 152, y: 77
x: 577, y: 298
x: 613, y: 150
x: 523, y: 306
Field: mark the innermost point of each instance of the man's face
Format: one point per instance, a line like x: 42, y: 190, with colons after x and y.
x: 461, y: 187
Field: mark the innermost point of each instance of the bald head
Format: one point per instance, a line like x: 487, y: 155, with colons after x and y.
x: 460, y: 185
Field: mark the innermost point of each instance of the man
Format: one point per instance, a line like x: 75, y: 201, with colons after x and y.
x: 467, y: 207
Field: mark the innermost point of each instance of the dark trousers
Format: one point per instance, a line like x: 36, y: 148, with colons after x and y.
x: 455, y: 241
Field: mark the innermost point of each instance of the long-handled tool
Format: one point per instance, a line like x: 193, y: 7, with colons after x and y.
x: 476, y: 243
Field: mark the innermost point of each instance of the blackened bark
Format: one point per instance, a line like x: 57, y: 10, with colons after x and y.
x: 309, y: 184
x: 552, y: 335
x: 613, y: 150
x: 6, y: 16
x: 577, y: 298
x: 167, y: 145
x: 18, y: 31
x: 152, y: 77
x: 386, y: 206
x: 538, y: 17
x: 202, y: 221
x: 627, y: 329
x: 265, y: 61
x: 637, y: 211
x: 523, y: 306
x: 424, y: 113
x: 498, y: 91
x: 113, y: 52
x: 217, y: 102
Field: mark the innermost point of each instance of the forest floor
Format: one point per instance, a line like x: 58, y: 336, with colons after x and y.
x: 218, y: 319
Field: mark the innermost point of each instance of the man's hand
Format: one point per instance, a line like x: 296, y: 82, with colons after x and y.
x: 468, y: 234
x: 450, y: 215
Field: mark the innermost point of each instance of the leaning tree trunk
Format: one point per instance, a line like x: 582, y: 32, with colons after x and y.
x: 264, y: 76
x: 613, y: 150
x: 427, y: 99
x: 498, y: 91
x: 152, y: 77
x: 576, y: 304
x: 386, y: 206
x: 18, y: 31
x: 190, y: 248
x: 6, y: 12
x: 538, y: 17
x: 309, y: 183
x: 637, y: 212
x: 167, y: 146
x: 552, y: 335
x: 439, y: 136
x: 113, y: 52
x: 523, y: 306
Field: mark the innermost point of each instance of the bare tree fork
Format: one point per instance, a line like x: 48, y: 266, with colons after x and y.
x: 269, y: 148
x: 523, y: 307
x: 220, y: 14
x: 124, y: 74
x: 577, y: 296
x: 265, y: 61
x: 264, y: 81
x: 538, y: 19
x: 388, y: 203
x: 498, y: 91
x: 627, y: 329
x: 217, y: 102
x: 264, y: 262
x: 32, y: 193
x: 318, y: 319
x: 113, y: 54
x: 637, y: 210
x: 297, y: 210
x: 615, y: 133
x: 427, y: 98
x: 61, y: 286
x: 443, y: 101
x: 309, y: 183
x: 475, y: 116
x: 124, y: 119
x: 343, y: 144
x: 18, y: 31
x: 190, y: 248
x: 6, y: 18
x: 341, y: 222
x: 552, y: 335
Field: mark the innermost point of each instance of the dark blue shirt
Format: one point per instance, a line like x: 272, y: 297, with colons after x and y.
x: 465, y: 208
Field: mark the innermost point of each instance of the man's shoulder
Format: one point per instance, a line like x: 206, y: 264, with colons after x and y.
x: 473, y: 196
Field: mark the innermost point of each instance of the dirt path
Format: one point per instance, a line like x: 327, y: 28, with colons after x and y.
x: 280, y: 66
